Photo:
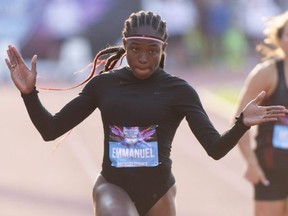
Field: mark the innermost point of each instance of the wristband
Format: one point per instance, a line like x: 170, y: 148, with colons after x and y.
x: 239, y: 121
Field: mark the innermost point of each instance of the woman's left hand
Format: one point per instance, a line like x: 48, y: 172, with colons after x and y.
x: 253, y: 114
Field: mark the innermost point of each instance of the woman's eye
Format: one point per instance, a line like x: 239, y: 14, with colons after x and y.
x: 153, y: 51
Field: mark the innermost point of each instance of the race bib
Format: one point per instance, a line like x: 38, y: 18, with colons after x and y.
x: 133, y: 146
x: 280, y: 136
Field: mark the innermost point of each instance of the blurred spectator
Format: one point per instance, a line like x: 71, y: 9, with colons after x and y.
x: 201, y: 31
x: 235, y: 48
x: 75, y: 52
x: 17, y: 20
x: 254, y: 14
x: 108, y: 27
x: 182, y: 18
x: 215, y: 22
x: 47, y: 27
x: 61, y: 20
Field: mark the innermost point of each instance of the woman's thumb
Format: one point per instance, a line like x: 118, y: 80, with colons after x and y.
x: 260, y: 97
x: 33, y: 63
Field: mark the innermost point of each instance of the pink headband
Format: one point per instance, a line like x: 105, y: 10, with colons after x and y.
x: 144, y: 38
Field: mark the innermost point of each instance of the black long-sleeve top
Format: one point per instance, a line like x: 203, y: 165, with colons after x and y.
x: 162, y: 100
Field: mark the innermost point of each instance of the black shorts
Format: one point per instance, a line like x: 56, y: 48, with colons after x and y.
x: 278, y: 187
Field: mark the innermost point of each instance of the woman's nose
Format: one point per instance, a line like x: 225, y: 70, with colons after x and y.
x: 143, y: 57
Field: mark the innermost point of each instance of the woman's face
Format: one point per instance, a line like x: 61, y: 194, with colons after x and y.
x: 143, y: 56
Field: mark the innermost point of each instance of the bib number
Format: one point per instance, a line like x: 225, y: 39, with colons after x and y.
x: 133, y: 146
x: 280, y: 136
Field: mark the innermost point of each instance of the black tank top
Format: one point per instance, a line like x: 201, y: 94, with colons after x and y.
x: 268, y: 155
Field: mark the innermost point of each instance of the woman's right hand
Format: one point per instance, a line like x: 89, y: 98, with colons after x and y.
x: 23, y: 77
x: 255, y: 175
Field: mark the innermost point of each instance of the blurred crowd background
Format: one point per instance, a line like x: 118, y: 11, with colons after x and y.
x: 66, y: 34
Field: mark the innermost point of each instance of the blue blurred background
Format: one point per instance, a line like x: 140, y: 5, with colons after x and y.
x: 66, y: 34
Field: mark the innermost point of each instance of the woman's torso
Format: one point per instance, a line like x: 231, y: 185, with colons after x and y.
x: 272, y: 138
x: 140, y: 118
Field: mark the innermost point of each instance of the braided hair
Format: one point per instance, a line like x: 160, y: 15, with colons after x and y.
x: 132, y: 24
x: 144, y: 19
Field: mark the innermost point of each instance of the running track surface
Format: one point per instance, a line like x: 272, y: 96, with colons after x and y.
x: 38, y: 179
